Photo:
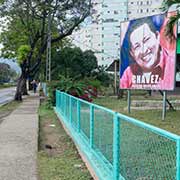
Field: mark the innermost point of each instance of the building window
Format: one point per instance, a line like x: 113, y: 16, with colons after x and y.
x: 147, y: 10
x: 104, y: 5
x: 110, y: 20
x: 141, y: 11
x: 115, y: 12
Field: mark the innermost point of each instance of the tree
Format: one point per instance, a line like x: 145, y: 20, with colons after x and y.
x: 102, y: 75
x: 72, y: 62
x: 27, y: 22
x: 6, y: 73
x: 167, y: 4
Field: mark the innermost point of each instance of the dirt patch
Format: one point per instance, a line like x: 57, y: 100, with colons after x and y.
x: 55, y: 142
x: 51, y: 142
x: 58, y: 157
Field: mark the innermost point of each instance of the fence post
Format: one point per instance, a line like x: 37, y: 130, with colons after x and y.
x: 116, y: 147
x: 91, y: 126
x: 60, y: 101
x: 178, y: 159
x: 64, y: 105
x: 78, y: 116
x: 57, y: 95
x: 70, y: 109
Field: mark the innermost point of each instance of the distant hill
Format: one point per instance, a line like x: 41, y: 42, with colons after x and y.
x: 12, y: 64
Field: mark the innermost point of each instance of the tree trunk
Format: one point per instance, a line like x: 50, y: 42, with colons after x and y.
x: 19, y: 89
x: 120, y: 93
x: 24, y: 87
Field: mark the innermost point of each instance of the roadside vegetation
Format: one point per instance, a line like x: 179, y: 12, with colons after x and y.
x: 58, y: 158
x: 2, y: 86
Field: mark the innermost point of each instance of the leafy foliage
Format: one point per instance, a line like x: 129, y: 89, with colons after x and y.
x: 169, y: 31
x: 6, y: 73
x: 72, y: 62
x: 27, y: 23
x: 67, y: 85
x: 81, y: 89
x: 101, y: 75
x: 23, y: 51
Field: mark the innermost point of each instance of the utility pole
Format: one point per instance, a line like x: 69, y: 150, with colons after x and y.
x: 48, y: 53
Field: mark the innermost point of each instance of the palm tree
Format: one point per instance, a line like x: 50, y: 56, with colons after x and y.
x: 175, y: 5
x: 166, y: 5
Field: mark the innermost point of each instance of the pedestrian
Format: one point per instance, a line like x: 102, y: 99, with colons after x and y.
x: 34, y: 84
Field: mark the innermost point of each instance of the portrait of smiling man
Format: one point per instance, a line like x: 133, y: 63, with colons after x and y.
x: 151, y: 66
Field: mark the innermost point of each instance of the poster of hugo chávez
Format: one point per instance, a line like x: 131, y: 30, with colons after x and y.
x: 148, y: 54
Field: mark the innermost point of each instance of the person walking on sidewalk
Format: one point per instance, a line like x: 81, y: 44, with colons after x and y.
x: 34, y: 84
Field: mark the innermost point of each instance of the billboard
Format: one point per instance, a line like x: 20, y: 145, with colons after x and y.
x: 148, y: 54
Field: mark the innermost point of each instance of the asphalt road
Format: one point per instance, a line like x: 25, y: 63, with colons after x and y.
x: 7, y: 95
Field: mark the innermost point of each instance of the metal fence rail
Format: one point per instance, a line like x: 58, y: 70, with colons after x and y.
x: 125, y: 148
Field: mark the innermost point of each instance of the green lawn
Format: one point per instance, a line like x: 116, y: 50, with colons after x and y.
x: 62, y: 162
x: 2, y: 86
x: 144, y: 154
x: 153, y: 117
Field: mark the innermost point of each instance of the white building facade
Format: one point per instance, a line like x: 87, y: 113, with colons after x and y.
x: 141, y: 8
x: 102, y: 33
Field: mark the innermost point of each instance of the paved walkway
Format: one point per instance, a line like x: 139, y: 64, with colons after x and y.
x: 19, y: 142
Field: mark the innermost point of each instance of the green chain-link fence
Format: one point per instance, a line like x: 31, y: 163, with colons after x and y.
x: 125, y: 147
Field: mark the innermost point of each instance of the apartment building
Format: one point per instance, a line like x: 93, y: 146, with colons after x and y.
x: 141, y: 8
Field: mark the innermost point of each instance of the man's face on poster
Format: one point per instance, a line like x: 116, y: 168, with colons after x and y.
x: 145, y: 47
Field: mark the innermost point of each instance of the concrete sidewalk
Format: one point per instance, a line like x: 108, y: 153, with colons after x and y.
x: 19, y: 142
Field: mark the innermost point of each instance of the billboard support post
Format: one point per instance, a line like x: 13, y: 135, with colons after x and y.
x: 164, y: 105
x: 129, y: 101
x: 115, y: 77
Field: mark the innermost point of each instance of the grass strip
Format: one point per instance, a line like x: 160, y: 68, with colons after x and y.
x: 58, y: 158
x: 153, y: 117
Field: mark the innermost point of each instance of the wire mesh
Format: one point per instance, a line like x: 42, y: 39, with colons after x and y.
x: 146, y: 155
x: 59, y: 100
x: 74, y: 113
x: 63, y: 103
x: 103, y: 133
x: 67, y: 107
x: 85, y: 119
